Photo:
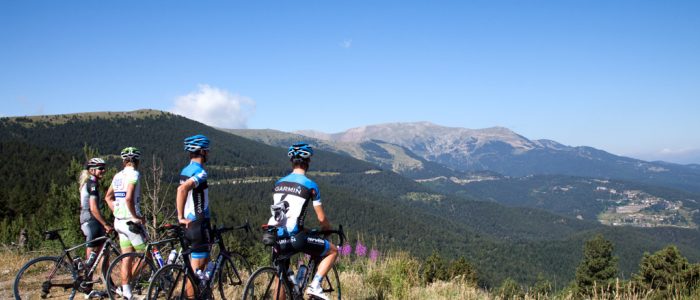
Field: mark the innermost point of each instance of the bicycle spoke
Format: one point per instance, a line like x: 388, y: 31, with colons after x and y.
x: 231, y: 276
x: 265, y: 284
x: 44, y: 277
x: 331, y: 284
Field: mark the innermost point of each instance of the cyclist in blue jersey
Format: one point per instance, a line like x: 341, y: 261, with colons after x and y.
x: 293, y: 193
x: 193, y: 203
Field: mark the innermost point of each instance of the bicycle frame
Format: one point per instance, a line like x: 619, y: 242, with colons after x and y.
x: 223, y: 252
x: 108, y: 243
x: 67, y: 254
x: 282, y: 264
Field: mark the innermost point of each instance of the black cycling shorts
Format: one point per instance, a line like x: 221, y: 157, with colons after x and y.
x: 93, y: 229
x: 198, y: 234
x: 310, y: 243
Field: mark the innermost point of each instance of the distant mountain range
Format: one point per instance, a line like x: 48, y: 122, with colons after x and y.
x: 386, y: 155
x: 503, y: 151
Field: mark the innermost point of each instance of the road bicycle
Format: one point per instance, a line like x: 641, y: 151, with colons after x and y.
x: 145, y: 264
x: 226, y: 273
x: 61, y: 277
x: 279, y: 281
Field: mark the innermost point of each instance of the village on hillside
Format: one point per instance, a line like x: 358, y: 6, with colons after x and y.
x: 641, y: 209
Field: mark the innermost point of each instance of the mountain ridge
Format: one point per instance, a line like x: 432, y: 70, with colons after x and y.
x: 504, y: 151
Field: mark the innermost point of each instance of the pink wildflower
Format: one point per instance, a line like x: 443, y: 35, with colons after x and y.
x: 373, y: 255
x: 360, y: 250
x: 345, y: 250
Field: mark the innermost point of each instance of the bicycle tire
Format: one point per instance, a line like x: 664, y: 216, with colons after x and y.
x: 169, y: 283
x: 261, y: 285
x: 60, y: 272
x: 331, y: 284
x: 232, y: 276
x: 139, y: 282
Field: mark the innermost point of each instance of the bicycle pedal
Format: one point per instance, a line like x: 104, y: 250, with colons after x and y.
x: 96, y: 294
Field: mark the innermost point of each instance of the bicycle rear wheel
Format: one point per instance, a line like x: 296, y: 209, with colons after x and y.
x: 141, y: 271
x: 45, y: 277
x: 264, y: 284
x: 170, y: 282
x: 231, y: 276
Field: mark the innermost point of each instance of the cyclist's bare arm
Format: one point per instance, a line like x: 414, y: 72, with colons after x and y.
x: 325, y: 224
x: 109, y: 198
x: 95, y: 211
x: 182, y: 191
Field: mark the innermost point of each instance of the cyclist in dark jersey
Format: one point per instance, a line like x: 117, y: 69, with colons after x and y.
x: 193, y: 203
x: 293, y: 194
x: 92, y: 223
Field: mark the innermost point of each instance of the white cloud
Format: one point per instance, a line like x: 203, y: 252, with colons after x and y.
x: 215, y: 107
x: 347, y: 43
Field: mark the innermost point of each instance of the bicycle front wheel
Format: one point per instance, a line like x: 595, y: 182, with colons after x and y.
x: 264, y: 284
x: 138, y: 275
x: 45, y: 277
x: 232, y: 276
x: 331, y: 284
x: 171, y: 282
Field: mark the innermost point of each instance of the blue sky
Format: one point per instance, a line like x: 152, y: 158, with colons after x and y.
x: 622, y: 76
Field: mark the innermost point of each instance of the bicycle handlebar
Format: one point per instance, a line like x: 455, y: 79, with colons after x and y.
x: 339, y: 232
x: 245, y: 226
x: 166, y: 227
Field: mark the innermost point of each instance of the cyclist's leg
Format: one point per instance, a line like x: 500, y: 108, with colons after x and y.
x: 92, y: 230
x: 128, y: 242
x: 316, y: 246
x: 198, y: 234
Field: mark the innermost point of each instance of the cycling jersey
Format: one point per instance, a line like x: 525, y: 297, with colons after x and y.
x: 297, y: 191
x: 197, y: 204
x: 89, y: 192
x: 197, y: 210
x: 119, y: 184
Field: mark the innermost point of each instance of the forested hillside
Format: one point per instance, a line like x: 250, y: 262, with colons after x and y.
x: 585, y: 198
x: 376, y: 205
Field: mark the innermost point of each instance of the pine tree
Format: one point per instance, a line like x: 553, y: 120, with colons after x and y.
x: 464, y: 271
x: 666, y: 272
x: 598, y: 269
x: 434, y: 268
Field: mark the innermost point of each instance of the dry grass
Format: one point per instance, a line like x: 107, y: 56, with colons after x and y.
x: 10, y: 263
x: 393, y: 277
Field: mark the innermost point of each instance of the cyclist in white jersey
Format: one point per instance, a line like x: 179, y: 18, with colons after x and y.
x: 124, y: 197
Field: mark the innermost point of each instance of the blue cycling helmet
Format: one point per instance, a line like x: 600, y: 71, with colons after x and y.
x: 196, y: 143
x: 300, y: 151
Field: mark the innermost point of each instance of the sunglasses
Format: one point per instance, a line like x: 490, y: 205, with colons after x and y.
x: 99, y: 168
